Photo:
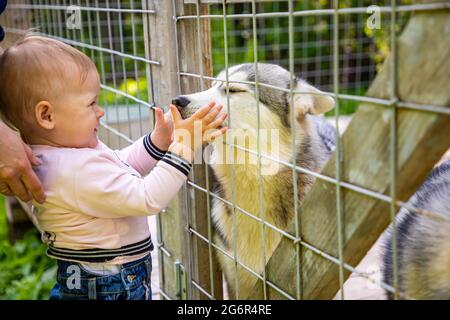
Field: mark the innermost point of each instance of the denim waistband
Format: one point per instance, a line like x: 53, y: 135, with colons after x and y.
x: 76, y: 282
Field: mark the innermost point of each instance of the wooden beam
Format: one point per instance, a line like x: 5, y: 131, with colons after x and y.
x: 184, y: 247
x: 423, y: 71
x: 160, y: 42
x: 194, y: 45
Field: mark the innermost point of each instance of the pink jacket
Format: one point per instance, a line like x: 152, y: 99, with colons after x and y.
x: 98, y: 199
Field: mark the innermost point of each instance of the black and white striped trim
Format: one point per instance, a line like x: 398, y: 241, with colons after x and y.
x: 152, y: 150
x: 177, y: 162
x: 100, y: 255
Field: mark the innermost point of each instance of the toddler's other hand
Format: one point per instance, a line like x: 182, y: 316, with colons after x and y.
x: 162, y: 135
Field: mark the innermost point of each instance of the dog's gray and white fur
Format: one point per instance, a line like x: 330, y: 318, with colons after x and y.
x: 314, y: 141
x: 423, y: 241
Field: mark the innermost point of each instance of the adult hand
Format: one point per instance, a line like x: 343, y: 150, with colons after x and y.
x: 16, y: 174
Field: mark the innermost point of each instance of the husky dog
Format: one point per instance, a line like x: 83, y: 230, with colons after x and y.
x: 423, y: 241
x: 240, y: 173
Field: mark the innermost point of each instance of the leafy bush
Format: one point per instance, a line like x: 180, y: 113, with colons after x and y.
x: 25, y: 271
x: 137, y: 89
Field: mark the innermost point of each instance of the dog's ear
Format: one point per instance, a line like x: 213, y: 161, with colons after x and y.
x: 311, y: 100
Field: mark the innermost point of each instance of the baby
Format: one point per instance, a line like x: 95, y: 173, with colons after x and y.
x: 94, y: 219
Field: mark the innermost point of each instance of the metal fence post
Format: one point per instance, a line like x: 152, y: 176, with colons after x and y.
x: 175, y: 44
x: 158, y: 33
x: 195, y: 57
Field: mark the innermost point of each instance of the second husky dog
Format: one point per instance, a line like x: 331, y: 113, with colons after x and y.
x: 266, y: 191
x: 423, y: 241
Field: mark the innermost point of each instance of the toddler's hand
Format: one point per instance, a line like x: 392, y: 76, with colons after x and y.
x: 162, y: 135
x: 203, y: 126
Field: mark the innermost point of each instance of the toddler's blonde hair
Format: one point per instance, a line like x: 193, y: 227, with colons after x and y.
x: 35, y: 69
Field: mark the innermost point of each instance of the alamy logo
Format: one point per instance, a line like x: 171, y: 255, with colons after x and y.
x: 374, y: 21
x: 73, y: 20
x: 74, y: 280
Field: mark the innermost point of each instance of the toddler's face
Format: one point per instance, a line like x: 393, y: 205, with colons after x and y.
x: 77, y: 113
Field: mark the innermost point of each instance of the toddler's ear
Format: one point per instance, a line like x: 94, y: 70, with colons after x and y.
x: 43, y: 112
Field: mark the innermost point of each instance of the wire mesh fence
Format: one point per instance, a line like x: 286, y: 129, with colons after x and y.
x: 328, y: 43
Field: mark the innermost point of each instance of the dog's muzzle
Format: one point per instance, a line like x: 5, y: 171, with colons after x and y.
x: 180, y: 102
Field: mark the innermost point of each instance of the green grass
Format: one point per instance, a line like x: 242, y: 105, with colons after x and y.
x: 26, y: 273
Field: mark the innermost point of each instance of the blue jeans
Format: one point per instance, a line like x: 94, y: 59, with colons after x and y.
x: 76, y: 283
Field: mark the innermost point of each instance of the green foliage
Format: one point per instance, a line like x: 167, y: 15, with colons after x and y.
x: 137, y: 89
x: 362, y: 51
x: 25, y: 271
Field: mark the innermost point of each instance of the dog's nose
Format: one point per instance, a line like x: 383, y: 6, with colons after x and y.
x: 180, y: 101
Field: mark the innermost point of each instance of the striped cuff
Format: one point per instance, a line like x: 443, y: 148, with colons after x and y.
x: 152, y: 150
x: 179, y: 163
